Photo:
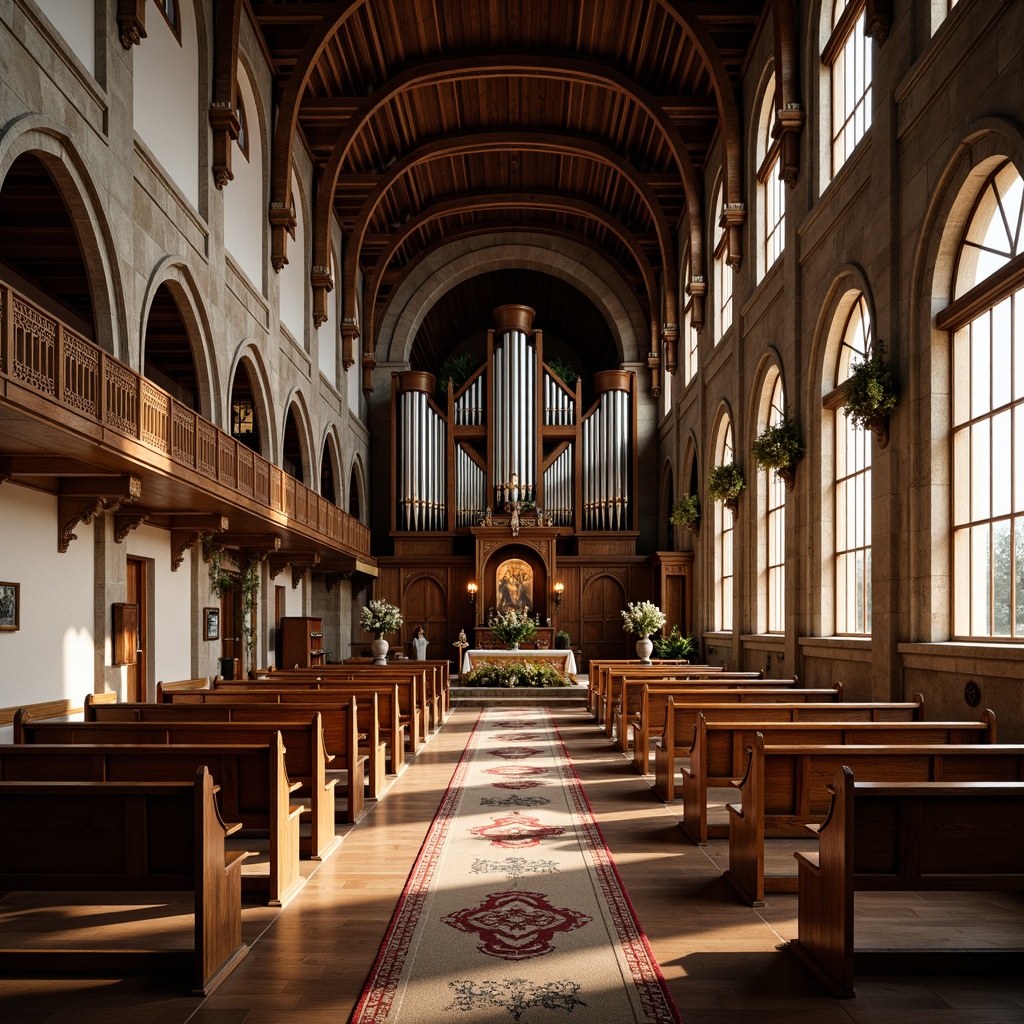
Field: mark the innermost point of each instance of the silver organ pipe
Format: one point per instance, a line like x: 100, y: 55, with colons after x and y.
x: 559, y: 405
x: 558, y: 488
x: 471, y: 490
x: 421, y: 461
x: 514, y: 397
x: 607, y: 462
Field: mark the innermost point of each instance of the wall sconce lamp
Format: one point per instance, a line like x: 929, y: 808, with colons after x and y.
x: 472, y: 588
x: 559, y: 588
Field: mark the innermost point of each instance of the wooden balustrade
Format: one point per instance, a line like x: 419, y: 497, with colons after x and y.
x: 42, y: 355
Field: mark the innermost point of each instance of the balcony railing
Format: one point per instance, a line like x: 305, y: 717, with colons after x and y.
x: 45, y: 356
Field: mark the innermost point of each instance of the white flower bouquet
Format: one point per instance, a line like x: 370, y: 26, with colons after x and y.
x: 642, y: 618
x: 379, y: 617
x: 512, y: 627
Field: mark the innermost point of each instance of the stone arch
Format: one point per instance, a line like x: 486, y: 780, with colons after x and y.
x: 173, y: 271
x: 667, y: 495
x: 450, y: 265
x: 52, y: 143
x: 330, y: 449
x: 248, y: 354
x: 356, y: 492
x: 983, y: 146
x: 296, y: 404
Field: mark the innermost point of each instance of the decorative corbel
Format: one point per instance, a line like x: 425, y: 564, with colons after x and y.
x: 323, y: 284
x: 734, y: 216
x: 131, y: 22
x: 182, y: 541
x: 878, y: 19
x: 282, y: 222
x: 369, y: 365
x: 334, y: 579
x: 301, y: 569
x: 81, y: 499
x: 670, y: 336
x: 125, y: 522
x: 224, y: 121
x: 349, y: 335
x: 360, y: 583
x: 698, y: 289
x: 789, y: 124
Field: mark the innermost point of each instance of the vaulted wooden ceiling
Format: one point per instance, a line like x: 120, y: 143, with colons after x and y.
x: 428, y: 121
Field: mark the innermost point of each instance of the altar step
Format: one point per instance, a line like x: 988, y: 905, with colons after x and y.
x: 519, y: 697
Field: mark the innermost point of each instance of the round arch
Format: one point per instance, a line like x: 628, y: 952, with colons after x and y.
x: 330, y: 449
x: 174, y: 272
x: 452, y: 264
x: 248, y: 356
x: 356, y: 491
x: 52, y: 143
x: 296, y: 404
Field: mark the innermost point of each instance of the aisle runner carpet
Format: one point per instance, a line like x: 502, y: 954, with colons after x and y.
x: 514, y: 910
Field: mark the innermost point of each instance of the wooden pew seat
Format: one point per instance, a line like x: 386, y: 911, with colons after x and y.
x: 154, y: 837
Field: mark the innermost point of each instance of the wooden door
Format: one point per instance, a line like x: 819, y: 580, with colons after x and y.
x: 424, y: 604
x: 138, y: 674
x: 603, y: 601
x: 232, y: 644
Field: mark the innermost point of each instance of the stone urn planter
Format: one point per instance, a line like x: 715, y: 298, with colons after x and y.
x: 379, y: 650
x: 644, y: 646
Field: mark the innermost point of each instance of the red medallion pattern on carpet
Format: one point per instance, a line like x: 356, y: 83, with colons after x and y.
x: 551, y: 910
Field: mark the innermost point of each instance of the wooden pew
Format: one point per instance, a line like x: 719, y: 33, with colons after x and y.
x: 597, y: 674
x: 252, y: 783
x: 306, y: 758
x: 411, y: 691
x: 626, y: 715
x: 718, y: 754
x: 371, y: 710
x: 155, y: 837
x: 905, y: 836
x: 786, y: 788
x: 654, y: 707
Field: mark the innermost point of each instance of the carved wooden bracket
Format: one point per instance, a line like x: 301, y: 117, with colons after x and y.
x: 299, y: 572
x: 282, y: 222
x: 322, y: 282
x: 125, y: 522
x: 131, y: 22
x: 224, y: 121
x: 369, y: 365
x: 349, y: 334
x: 734, y: 216
x: 789, y: 124
x: 334, y: 579
x: 188, y: 530
x: 878, y: 19
x: 81, y: 499
x: 670, y: 335
x: 698, y: 290
x: 300, y: 561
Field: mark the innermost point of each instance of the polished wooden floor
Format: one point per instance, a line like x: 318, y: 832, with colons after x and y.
x: 725, y: 963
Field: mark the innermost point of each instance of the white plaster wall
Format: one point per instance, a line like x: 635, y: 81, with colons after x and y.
x: 293, y: 275
x: 76, y: 22
x: 166, y: 98
x: 171, y: 607
x: 244, y: 208
x: 51, y: 656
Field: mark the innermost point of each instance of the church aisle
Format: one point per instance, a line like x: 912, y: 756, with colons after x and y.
x: 718, y: 956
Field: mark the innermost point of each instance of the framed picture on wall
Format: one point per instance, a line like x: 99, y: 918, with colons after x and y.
x: 10, y: 606
x: 211, y: 623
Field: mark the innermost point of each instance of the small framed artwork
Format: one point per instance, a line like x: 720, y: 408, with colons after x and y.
x: 211, y: 623
x: 10, y: 606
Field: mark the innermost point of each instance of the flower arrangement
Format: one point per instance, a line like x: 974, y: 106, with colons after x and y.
x: 675, y: 646
x: 643, y: 618
x: 870, y: 394
x: 686, y: 512
x: 778, y: 447
x: 725, y: 484
x: 379, y: 617
x: 513, y: 673
x: 512, y: 627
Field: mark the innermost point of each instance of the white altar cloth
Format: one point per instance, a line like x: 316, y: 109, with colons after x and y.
x: 562, y: 660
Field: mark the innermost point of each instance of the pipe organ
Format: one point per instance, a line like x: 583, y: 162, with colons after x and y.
x: 514, y: 438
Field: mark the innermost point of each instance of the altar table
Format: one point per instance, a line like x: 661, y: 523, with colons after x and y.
x: 563, y: 661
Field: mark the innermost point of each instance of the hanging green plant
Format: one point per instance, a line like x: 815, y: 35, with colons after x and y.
x: 457, y: 369
x: 246, y: 581
x: 778, y: 447
x: 564, y: 370
x: 725, y: 484
x: 686, y: 512
x: 870, y: 394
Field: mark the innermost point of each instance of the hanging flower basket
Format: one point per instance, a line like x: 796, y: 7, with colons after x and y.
x: 870, y: 394
x: 725, y: 483
x: 686, y: 512
x: 778, y: 448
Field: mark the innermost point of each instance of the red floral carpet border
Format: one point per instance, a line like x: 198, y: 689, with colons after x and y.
x: 513, y: 910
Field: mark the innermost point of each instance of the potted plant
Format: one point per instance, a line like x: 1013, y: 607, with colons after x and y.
x: 725, y: 484
x: 246, y: 581
x: 562, y: 640
x: 686, y: 512
x: 643, y: 618
x: 512, y: 627
x: 870, y: 394
x: 378, y: 618
x: 778, y: 447
x: 675, y: 646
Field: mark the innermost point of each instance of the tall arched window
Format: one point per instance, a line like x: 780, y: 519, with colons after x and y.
x: 987, y: 320
x: 774, y: 490
x: 771, y: 187
x: 689, y: 338
x: 853, y: 488
x: 723, y: 536
x: 848, y: 56
x: 723, y: 272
